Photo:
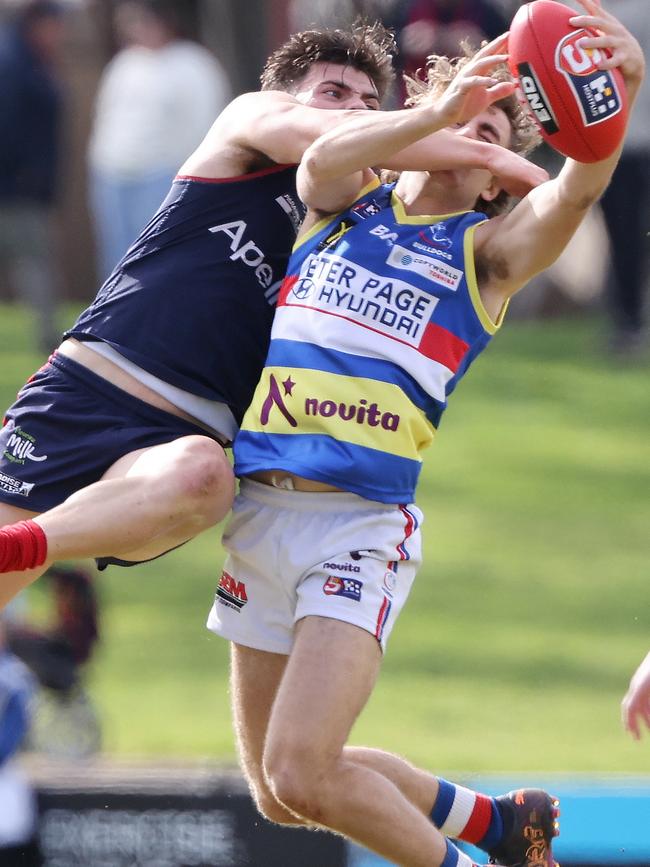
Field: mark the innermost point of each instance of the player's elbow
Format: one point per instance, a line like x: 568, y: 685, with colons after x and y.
x: 314, y: 169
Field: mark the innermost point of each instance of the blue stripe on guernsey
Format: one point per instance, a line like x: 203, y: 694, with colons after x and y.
x: 339, y: 464
x: 444, y: 803
x: 290, y: 353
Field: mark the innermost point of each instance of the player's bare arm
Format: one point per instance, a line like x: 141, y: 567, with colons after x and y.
x: 512, y: 248
x: 333, y: 170
x: 258, y: 130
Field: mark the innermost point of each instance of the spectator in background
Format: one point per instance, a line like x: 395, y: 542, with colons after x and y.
x: 626, y: 207
x: 56, y: 653
x: 426, y: 27
x: 338, y: 13
x: 30, y: 123
x: 18, y: 839
x: 157, y: 99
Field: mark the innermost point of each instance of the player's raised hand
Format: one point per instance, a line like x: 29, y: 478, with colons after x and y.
x: 618, y: 47
x: 473, y: 89
x: 635, y: 707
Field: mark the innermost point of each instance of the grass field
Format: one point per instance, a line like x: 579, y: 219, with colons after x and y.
x: 530, y: 613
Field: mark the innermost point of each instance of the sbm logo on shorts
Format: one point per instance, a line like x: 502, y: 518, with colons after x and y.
x: 231, y: 593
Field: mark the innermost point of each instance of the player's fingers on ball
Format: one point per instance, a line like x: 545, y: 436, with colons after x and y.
x: 600, y: 41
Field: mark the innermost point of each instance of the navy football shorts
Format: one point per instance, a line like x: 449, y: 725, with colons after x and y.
x: 67, y: 427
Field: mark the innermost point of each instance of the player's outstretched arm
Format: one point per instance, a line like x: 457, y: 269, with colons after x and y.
x: 260, y: 129
x: 532, y: 236
x: 272, y: 127
x: 635, y: 707
x: 335, y: 167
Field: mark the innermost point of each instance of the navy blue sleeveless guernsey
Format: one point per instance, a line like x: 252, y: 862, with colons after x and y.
x: 192, y: 301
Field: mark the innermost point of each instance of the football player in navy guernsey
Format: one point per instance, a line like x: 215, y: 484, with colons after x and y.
x: 117, y: 443
x: 383, y: 309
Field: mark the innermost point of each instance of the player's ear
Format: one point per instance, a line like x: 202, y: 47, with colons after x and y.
x: 491, y: 191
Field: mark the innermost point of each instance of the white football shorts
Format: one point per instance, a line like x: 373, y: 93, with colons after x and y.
x: 293, y: 554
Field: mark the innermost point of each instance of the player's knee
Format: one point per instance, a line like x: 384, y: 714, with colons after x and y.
x: 269, y: 806
x: 205, y: 478
x: 266, y: 802
x: 294, y: 780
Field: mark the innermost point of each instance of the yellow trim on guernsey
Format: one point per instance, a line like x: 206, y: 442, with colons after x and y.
x: 474, y: 293
x: 330, y: 218
x: 364, y: 412
x: 399, y: 212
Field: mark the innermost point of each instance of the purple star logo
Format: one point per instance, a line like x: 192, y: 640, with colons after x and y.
x: 288, y: 385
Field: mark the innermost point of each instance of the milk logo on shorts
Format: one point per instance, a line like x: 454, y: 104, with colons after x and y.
x: 14, y: 486
x: 350, y: 588
x: 230, y: 592
x: 595, y: 89
x: 21, y: 447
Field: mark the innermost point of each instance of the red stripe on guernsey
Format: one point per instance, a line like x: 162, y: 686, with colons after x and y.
x: 382, y: 617
x: 250, y: 177
x: 411, y: 525
x: 438, y: 344
x: 479, y: 822
x: 441, y: 345
x: 287, y: 285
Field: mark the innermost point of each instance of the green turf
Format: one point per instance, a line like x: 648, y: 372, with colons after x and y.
x: 527, y: 619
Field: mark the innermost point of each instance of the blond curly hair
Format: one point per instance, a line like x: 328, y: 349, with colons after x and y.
x: 440, y: 71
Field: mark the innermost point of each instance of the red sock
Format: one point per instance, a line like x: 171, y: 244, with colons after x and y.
x: 22, y: 546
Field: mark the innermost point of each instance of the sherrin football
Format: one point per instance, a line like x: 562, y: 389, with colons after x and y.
x: 581, y: 111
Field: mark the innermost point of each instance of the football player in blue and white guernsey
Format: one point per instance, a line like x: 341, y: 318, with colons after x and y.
x: 391, y: 293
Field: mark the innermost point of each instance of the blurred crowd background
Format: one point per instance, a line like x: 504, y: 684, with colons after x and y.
x: 101, y: 100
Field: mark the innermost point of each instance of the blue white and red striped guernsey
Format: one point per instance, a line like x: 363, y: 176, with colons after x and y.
x: 378, y: 319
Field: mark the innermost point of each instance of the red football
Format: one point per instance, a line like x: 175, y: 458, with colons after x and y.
x: 580, y: 110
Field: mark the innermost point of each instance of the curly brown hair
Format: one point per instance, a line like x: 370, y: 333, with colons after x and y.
x: 368, y: 47
x: 439, y: 73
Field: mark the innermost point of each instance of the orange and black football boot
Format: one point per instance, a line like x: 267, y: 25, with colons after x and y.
x: 530, y: 819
